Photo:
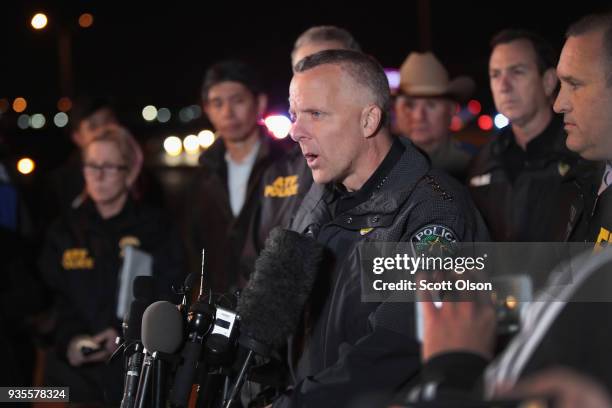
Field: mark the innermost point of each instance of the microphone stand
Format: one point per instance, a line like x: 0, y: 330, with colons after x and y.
x: 153, y: 373
x: 240, y: 380
x: 254, y: 347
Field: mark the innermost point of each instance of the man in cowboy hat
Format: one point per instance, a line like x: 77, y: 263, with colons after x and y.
x: 425, y: 106
x: 522, y: 180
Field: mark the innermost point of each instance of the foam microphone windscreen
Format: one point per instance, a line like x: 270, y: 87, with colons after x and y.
x: 272, y: 302
x: 162, y: 327
x: 143, y: 288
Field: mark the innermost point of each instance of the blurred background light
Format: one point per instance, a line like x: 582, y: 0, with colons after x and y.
x: 278, y: 125
x: 25, y: 165
x: 173, y: 145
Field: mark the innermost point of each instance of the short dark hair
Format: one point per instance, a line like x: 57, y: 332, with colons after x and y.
x: 546, y: 55
x: 596, y: 22
x: 86, y: 106
x: 363, y: 68
x: 326, y: 33
x: 234, y: 71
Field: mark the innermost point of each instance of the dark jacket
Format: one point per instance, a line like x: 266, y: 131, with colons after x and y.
x: 81, y: 262
x: 452, y: 158
x: 283, y: 187
x: 590, y: 218
x: 210, y: 222
x: 82, y: 259
x: 361, y: 352
x: 518, y: 193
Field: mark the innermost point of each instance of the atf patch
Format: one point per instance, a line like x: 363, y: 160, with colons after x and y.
x: 77, y: 258
x: 435, y: 239
x: 282, y: 187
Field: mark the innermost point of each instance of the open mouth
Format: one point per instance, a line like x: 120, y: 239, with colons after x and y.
x: 310, y: 158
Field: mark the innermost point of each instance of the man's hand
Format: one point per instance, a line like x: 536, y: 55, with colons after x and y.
x: 570, y: 389
x: 105, y: 340
x: 457, y: 326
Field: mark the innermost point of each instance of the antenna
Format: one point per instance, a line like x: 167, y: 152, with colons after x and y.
x: 201, y: 294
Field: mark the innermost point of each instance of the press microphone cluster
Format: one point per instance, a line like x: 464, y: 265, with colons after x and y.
x: 202, y: 346
x: 271, y: 304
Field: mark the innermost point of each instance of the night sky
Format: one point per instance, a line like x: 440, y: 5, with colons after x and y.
x: 157, y: 55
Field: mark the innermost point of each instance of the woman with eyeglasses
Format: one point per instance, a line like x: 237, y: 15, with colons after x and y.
x: 82, y: 262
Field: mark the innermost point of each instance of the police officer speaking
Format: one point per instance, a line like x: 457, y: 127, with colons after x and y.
x: 368, y: 187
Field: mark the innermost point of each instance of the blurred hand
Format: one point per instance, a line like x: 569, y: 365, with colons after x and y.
x: 457, y: 326
x: 105, y: 340
x: 570, y: 389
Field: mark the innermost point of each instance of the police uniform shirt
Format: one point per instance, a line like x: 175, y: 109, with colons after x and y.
x: 600, y: 224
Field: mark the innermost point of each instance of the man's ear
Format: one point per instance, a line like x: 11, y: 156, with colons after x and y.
x: 262, y: 104
x: 550, y: 81
x: 371, y: 120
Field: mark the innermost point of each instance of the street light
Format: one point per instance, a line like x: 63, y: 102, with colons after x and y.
x: 64, y: 44
x: 85, y: 20
x: 39, y: 21
x: 26, y: 165
x: 20, y: 104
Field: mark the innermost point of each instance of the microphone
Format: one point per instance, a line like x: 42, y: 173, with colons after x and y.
x: 271, y: 304
x: 201, y: 315
x: 143, y: 294
x: 162, y: 333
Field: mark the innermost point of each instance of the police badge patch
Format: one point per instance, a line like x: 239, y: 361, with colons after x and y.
x: 434, y: 239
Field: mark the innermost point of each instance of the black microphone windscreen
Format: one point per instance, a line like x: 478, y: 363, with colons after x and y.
x: 143, y: 288
x: 272, y: 302
x: 162, y: 327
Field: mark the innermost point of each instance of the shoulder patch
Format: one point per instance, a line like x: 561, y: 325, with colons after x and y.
x: 434, y: 237
x: 128, y: 240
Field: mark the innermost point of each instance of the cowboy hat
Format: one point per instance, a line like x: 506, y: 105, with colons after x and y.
x: 423, y: 75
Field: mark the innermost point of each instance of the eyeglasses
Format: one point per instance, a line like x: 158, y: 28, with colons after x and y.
x: 91, y: 169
